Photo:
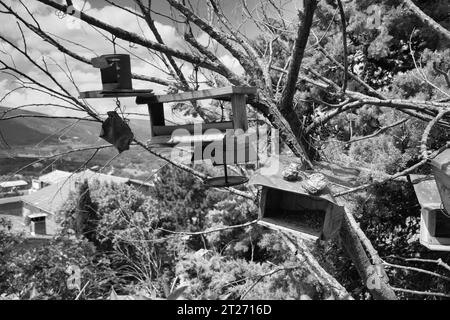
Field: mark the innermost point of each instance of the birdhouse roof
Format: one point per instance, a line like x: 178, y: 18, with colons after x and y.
x: 339, y: 178
x: 426, y: 191
x: 442, y: 161
x: 211, y: 93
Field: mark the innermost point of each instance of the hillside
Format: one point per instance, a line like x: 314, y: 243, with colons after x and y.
x: 31, y: 131
x: 27, y: 139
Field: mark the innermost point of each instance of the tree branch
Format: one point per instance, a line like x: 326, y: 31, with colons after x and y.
x: 287, y: 96
x: 426, y: 19
x: 151, y: 24
x: 344, y: 43
x: 217, y: 35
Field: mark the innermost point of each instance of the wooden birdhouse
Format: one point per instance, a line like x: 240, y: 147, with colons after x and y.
x: 229, y: 134
x: 225, y: 142
x: 441, y: 170
x: 435, y: 221
x: 288, y: 206
x: 161, y: 133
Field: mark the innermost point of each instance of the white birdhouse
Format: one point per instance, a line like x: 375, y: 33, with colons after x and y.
x: 435, y: 221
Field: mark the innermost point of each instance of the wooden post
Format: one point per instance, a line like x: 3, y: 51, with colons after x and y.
x: 156, y: 113
x: 238, y: 104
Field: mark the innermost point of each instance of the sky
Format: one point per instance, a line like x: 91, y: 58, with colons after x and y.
x: 89, y: 42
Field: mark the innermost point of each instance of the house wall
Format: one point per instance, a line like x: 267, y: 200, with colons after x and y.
x: 29, y: 209
x: 12, y: 208
x: 18, y: 208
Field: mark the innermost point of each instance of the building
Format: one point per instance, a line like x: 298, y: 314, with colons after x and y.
x: 49, y: 178
x: 11, y: 186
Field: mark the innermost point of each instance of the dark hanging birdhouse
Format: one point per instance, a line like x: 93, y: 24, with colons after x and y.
x: 441, y: 170
x: 287, y: 205
x: 115, y: 71
x: 435, y: 220
x: 236, y: 149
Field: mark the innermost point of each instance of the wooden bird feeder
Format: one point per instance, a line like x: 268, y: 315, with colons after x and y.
x: 287, y: 206
x: 435, y: 220
x: 227, y: 137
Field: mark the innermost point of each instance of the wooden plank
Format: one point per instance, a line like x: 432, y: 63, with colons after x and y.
x: 156, y: 113
x: 184, y: 140
x: 333, y: 221
x: 121, y: 94
x: 213, y: 93
x: 442, y: 162
x: 239, y: 112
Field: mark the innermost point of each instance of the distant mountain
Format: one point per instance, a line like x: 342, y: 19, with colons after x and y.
x: 29, y: 131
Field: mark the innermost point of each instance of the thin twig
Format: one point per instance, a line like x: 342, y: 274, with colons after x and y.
x: 243, y: 225
x: 422, y: 293
x: 431, y: 273
x: 82, y: 290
